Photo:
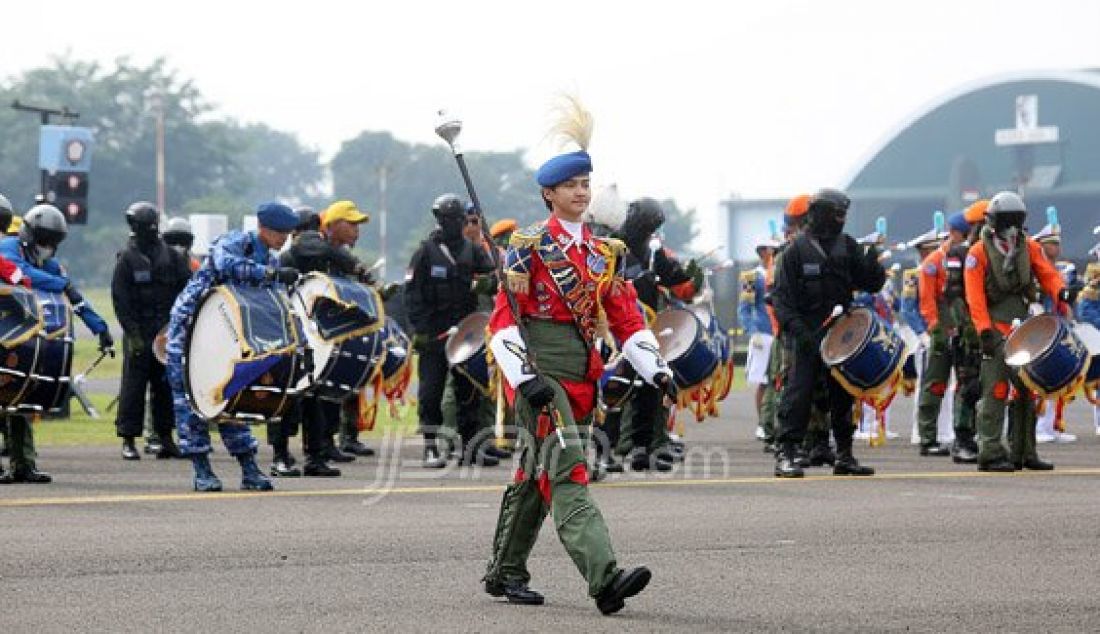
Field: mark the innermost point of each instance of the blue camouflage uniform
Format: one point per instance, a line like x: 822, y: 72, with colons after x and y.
x: 751, y: 309
x: 49, y: 276
x: 236, y: 256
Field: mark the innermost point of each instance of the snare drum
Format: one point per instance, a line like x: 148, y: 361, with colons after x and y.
x: 1049, y: 355
x: 864, y: 353
x: 466, y: 351
x: 685, y: 346
x: 53, y: 370
x: 341, y: 319
x: 242, y: 354
x: 21, y: 325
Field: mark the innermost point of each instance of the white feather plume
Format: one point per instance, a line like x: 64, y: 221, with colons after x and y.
x: 607, y: 207
x: 572, y: 122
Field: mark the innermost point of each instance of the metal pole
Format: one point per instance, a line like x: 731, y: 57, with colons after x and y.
x: 383, y: 176
x: 158, y: 105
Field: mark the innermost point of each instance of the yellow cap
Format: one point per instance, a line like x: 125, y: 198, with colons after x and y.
x: 343, y: 210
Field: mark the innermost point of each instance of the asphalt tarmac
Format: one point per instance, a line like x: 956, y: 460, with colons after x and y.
x: 925, y: 545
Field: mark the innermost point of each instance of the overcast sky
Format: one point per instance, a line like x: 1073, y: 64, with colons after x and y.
x: 692, y: 100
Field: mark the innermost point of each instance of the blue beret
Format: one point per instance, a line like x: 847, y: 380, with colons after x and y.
x: 957, y: 222
x: 563, y: 167
x: 277, y: 216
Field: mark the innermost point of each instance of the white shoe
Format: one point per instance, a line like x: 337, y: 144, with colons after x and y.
x: 1061, y: 437
x: 1044, y: 437
x: 891, y: 435
x: 759, y: 432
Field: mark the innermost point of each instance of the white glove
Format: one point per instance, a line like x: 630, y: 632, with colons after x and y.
x: 925, y: 341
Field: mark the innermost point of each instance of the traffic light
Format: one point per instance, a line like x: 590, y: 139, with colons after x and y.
x: 68, y: 191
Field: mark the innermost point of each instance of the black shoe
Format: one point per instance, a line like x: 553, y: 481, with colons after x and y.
x: 639, y: 461
x: 284, y: 468
x: 822, y: 455
x: 610, y: 465
x: 356, y: 448
x: 964, y: 455
x: 622, y: 587
x: 129, y: 451
x: 481, y: 458
x: 515, y: 591
x: 787, y: 467
x: 660, y: 463
x: 335, y: 455
x: 846, y: 464
x: 1036, y: 464
x: 432, y: 459
x: 497, y: 452
x: 31, y: 475
x: 168, y: 449
x: 935, y: 449
x: 317, y: 469
x: 1000, y: 466
x: 152, y: 447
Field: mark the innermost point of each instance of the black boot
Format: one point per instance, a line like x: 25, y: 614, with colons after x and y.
x: 283, y: 466
x: 962, y: 454
x: 846, y: 464
x: 318, y: 469
x: 822, y: 455
x: 515, y: 591
x: 168, y: 449
x: 934, y: 449
x: 30, y: 473
x: 129, y: 451
x: 625, y: 585
x: 356, y: 448
x: 786, y: 466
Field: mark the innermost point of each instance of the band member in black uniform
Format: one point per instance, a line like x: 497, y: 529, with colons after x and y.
x: 820, y: 269
x: 655, y: 272
x: 147, y: 278
x: 438, y: 295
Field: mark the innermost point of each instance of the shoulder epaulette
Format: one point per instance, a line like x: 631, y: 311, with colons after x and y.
x: 528, y: 237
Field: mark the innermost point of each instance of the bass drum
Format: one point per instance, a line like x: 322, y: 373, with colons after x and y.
x: 341, y: 319
x: 863, y: 352
x: 53, y: 371
x: 243, y: 354
x: 21, y: 326
x: 686, y: 347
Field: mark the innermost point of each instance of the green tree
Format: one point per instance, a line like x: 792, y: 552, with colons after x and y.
x: 415, y: 175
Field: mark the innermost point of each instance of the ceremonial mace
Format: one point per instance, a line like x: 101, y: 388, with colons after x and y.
x: 448, y: 129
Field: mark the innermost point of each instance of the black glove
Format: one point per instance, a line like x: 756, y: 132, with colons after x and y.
x: 537, y: 392
x: 667, y: 385
x: 75, y: 298
x: 286, y: 275
x: 1068, y: 295
x: 389, y: 290
x: 107, y: 343
x: 989, y: 341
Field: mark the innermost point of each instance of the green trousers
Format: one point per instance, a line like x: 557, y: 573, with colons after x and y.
x: 770, y: 403
x: 552, y: 478
x: 20, y: 441
x: 995, y: 378
x: 939, y: 361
